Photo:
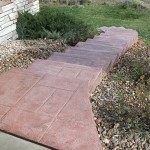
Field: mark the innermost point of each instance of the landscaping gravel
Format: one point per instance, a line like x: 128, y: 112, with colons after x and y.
x: 117, y: 134
x: 21, y: 53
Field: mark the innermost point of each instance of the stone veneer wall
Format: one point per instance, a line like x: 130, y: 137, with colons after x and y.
x: 9, y: 13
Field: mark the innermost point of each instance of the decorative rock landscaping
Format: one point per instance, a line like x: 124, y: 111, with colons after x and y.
x: 118, y: 133
x: 48, y: 102
x: 22, y: 53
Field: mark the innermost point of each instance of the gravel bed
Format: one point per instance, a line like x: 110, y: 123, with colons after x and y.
x: 21, y: 53
x: 114, y: 133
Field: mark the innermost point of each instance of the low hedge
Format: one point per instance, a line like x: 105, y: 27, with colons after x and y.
x: 53, y: 23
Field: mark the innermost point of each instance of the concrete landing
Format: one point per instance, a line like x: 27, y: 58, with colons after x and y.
x: 48, y: 103
x: 9, y: 142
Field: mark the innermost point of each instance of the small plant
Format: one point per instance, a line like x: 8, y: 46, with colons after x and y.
x: 50, y: 35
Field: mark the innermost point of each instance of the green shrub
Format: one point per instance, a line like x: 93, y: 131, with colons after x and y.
x: 53, y: 23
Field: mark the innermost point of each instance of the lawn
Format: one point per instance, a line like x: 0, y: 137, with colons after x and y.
x: 105, y: 15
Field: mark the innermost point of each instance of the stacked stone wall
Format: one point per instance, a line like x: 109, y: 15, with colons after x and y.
x: 9, y: 13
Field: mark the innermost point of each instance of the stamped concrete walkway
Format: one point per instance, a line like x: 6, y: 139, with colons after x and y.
x: 49, y: 102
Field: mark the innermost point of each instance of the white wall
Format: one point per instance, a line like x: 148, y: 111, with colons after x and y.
x: 9, y: 13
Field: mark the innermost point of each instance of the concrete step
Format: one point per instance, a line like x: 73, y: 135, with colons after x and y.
x: 96, y: 63
x: 98, y: 58
x: 112, y: 42
x: 96, y: 47
x: 86, y: 52
x: 72, y: 71
x: 101, y: 46
x: 129, y: 39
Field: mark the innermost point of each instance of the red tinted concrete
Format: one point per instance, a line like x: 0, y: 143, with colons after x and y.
x: 26, y: 124
x: 13, y: 87
x: 100, y: 46
x: 48, y: 103
x: 72, y: 119
x: 56, y: 102
x: 85, y: 139
x: 93, y: 51
x: 59, y: 82
x: 36, y: 97
x: 111, y: 42
x: 68, y: 71
x: 81, y: 112
x: 87, y: 53
x: 91, y: 62
x: 3, y: 110
x: 97, y: 60
x: 43, y: 66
